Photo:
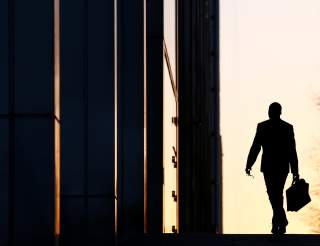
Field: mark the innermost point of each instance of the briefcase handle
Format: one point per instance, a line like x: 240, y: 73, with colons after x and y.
x: 295, y: 180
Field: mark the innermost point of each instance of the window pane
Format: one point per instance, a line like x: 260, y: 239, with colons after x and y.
x: 34, y: 66
x: 101, y: 222
x: 73, y: 227
x: 3, y: 57
x: 4, y: 181
x: 34, y: 181
x: 72, y: 98
x: 101, y: 98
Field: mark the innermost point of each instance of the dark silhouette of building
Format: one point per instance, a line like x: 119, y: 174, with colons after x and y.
x: 83, y: 121
x: 276, y: 137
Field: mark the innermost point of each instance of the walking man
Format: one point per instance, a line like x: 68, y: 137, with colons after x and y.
x: 276, y: 137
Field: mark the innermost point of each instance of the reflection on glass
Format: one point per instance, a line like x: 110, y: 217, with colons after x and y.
x: 57, y: 58
x: 269, y: 52
x: 169, y: 147
x: 57, y: 113
x: 57, y: 176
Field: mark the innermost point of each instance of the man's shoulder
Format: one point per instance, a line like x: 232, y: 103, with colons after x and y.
x: 263, y: 123
x: 286, y: 124
x: 269, y: 122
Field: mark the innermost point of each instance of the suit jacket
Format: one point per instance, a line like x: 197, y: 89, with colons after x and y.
x: 276, y: 137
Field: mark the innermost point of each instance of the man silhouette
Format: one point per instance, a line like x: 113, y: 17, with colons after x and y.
x: 276, y: 137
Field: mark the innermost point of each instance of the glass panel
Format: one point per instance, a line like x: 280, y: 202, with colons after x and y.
x: 34, y: 181
x: 269, y: 52
x: 169, y: 147
x: 72, y: 143
x: 101, y: 98
x: 4, y: 57
x: 33, y: 57
x: 4, y: 182
x: 72, y: 96
x: 101, y: 223
x: 73, y: 221
x: 170, y: 32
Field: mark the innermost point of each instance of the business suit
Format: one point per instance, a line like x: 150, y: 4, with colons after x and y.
x: 276, y: 137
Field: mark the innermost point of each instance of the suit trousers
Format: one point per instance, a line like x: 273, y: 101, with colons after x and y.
x: 275, y: 183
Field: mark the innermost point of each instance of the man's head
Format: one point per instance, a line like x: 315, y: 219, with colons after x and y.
x: 274, y: 111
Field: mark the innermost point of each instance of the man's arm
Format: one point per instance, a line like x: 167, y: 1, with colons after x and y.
x: 254, y: 150
x: 293, y: 154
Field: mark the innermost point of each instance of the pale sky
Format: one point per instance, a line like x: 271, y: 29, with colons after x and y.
x: 169, y: 129
x: 270, y: 51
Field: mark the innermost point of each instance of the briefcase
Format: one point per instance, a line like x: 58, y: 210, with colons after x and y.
x: 298, y: 195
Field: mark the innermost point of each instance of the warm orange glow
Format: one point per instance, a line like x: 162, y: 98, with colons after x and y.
x: 57, y: 177
x: 57, y: 114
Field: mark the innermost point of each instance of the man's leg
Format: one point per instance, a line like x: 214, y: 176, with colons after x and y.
x: 275, y: 184
x: 283, y: 222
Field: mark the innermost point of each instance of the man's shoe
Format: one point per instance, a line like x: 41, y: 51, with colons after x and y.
x: 278, y: 230
x: 282, y: 230
x: 274, y: 229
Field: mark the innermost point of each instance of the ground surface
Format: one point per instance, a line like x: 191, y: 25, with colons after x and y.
x: 226, y: 240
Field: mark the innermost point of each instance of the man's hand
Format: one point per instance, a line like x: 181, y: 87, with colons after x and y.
x: 248, y: 170
x: 295, y: 178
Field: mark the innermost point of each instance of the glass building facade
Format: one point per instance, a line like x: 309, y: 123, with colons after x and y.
x: 29, y: 123
x: 98, y: 133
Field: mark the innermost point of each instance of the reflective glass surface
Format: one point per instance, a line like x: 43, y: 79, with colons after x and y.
x: 4, y: 95
x: 34, y: 68
x: 4, y: 181
x: 34, y: 181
